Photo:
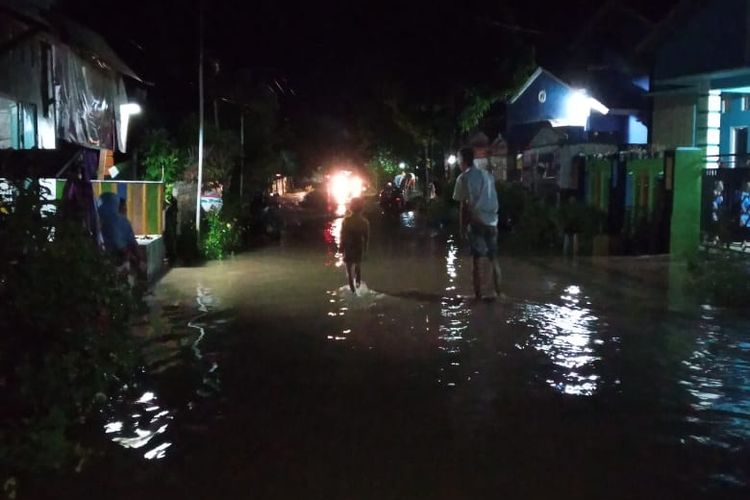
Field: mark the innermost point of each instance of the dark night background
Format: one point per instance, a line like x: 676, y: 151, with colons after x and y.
x: 331, y: 63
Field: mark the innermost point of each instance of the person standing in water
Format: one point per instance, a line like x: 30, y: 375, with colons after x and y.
x: 355, y: 237
x: 475, y: 190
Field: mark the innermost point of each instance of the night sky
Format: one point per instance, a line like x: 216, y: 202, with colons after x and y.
x: 326, y: 57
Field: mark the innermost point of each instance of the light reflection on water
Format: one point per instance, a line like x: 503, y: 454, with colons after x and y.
x: 332, y: 236
x: 139, y: 420
x: 564, y: 332
x: 717, y: 376
x: 146, y: 422
x: 408, y: 219
x: 455, y: 317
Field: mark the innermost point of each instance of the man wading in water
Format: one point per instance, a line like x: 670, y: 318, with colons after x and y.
x: 475, y: 189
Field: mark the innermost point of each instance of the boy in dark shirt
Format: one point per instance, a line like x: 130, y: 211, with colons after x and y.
x: 355, y: 236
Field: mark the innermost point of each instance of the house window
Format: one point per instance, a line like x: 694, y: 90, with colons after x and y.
x: 745, y: 103
x: 17, y: 125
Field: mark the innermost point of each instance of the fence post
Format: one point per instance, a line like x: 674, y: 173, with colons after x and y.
x: 686, y: 209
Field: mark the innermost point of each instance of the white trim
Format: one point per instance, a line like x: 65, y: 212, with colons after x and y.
x: 532, y: 79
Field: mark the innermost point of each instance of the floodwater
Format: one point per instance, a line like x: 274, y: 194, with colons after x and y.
x: 268, y: 378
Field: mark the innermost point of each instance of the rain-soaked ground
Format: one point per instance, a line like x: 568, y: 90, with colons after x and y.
x: 267, y: 378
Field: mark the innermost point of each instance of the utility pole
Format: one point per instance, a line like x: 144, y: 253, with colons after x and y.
x: 242, y: 152
x: 200, y: 122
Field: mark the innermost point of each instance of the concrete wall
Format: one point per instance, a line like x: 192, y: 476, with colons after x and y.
x: 673, y: 122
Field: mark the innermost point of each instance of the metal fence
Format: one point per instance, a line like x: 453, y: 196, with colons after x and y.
x: 725, y: 206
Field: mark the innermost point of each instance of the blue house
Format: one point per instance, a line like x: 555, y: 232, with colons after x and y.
x: 608, y: 107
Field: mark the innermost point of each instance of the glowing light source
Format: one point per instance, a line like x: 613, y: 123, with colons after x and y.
x: 402, y: 165
x: 578, y: 109
x: 342, y: 187
x: 452, y: 160
x: 130, y: 109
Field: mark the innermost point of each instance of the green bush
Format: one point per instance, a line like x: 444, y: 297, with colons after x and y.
x: 220, y: 238
x: 64, y: 343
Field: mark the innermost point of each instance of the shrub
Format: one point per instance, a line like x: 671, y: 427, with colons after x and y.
x: 220, y: 238
x: 64, y: 343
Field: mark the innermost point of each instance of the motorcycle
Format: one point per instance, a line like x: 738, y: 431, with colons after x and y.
x: 392, y: 199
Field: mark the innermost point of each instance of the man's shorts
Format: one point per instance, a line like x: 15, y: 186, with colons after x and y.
x: 483, y: 240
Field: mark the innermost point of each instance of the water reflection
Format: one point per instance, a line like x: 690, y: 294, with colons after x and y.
x: 145, y: 422
x: 138, y: 420
x: 564, y: 332
x: 717, y: 376
x: 455, y: 317
x: 408, y: 219
x: 332, y: 236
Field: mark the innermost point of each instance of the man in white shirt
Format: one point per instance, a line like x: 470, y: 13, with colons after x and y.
x: 475, y: 190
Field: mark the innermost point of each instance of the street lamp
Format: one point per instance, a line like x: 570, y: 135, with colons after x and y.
x: 452, y: 160
x: 402, y: 165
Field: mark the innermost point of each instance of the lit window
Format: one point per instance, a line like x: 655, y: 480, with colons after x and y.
x: 745, y: 103
x: 17, y: 125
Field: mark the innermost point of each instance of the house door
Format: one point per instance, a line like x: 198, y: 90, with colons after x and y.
x: 739, y: 146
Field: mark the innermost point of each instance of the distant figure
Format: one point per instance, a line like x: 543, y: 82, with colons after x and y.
x: 475, y: 189
x: 119, y: 240
x: 355, y: 237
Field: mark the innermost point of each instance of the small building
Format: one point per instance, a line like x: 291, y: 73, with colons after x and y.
x: 60, y: 82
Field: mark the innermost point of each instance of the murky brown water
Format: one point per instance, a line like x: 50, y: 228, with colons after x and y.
x: 269, y: 379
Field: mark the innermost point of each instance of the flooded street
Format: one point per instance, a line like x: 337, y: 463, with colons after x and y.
x: 268, y: 378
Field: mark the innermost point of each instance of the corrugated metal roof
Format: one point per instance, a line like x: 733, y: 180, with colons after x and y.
x: 83, y: 40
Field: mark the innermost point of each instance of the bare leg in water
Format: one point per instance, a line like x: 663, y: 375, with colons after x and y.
x: 497, y: 275
x: 477, y: 275
x: 350, y: 275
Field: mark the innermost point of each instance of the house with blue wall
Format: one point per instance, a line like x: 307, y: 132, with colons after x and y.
x: 703, y: 100
x: 599, y: 108
x: 606, y: 106
x: 701, y: 76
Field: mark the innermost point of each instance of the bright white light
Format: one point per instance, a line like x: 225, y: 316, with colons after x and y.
x: 402, y: 165
x: 131, y: 108
x: 597, y: 106
x: 113, y: 171
x: 343, y: 186
x: 356, y: 187
x: 340, y: 188
x: 452, y: 160
x: 578, y: 109
x: 714, y: 120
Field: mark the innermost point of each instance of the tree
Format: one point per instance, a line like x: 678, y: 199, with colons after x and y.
x: 162, y: 159
x: 382, y: 165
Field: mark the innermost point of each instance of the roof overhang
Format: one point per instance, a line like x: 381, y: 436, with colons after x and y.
x: 713, y: 79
